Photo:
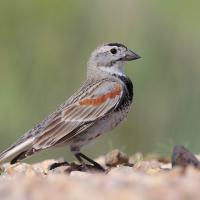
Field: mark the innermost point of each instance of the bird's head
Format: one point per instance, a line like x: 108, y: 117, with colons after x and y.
x: 110, y: 58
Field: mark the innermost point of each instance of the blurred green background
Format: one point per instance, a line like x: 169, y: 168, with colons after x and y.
x: 44, y: 47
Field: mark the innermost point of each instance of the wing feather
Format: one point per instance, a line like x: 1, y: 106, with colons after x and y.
x: 78, y: 116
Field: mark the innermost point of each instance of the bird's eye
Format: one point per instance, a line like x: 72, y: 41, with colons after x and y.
x: 113, y: 51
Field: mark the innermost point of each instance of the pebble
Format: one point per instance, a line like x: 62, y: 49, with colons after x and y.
x: 115, y: 158
x: 146, y: 180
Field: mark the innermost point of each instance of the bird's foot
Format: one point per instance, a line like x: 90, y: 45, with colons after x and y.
x: 93, y: 165
x: 77, y: 167
x: 86, y: 168
x: 56, y: 165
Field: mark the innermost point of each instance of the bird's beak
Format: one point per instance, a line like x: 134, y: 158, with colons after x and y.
x: 130, y: 55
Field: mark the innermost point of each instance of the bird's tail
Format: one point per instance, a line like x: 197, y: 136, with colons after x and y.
x: 16, y: 150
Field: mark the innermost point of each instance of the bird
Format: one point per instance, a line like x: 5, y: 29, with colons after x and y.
x: 98, y: 106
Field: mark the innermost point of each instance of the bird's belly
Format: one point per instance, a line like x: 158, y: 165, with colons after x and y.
x: 107, y: 124
x: 100, y: 127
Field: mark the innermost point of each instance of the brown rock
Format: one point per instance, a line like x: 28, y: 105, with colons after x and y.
x: 115, y: 158
x: 183, y: 157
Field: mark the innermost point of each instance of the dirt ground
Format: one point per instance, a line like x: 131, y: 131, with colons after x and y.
x: 134, y: 178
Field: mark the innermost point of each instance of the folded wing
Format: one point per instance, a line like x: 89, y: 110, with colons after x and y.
x: 69, y: 120
x: 77, y: 117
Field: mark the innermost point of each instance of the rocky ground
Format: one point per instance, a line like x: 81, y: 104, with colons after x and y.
x: 134, y: 178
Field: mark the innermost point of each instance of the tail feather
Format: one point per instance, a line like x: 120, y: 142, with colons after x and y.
x: 16, y: 149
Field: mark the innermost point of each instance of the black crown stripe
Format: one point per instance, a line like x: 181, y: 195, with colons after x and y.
x: 116, y: 44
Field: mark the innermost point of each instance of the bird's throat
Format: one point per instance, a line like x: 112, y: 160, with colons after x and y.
x: 113, y: 70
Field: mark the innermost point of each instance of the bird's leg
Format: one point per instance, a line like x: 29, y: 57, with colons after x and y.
x: 19, y: 157
x: 80, y: 158
x: 55, y: 165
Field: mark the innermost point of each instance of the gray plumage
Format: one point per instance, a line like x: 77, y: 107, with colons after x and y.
x: 100, y: 104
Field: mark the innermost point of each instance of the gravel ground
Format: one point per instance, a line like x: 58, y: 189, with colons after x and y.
x: 133, y: 178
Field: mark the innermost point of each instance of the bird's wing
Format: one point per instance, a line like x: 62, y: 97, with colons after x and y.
x: 95, y: 103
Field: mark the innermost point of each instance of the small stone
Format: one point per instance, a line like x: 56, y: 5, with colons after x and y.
x: 79, y: 174
x: 183, y: 157
x: 166, y: 166
x: 43, y: 167
x: 100, y: 160
x: 20, y: 168
x: 121, y: 170
x: 135, y: 158
x: 115, y: 158
x: 148, y: 167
